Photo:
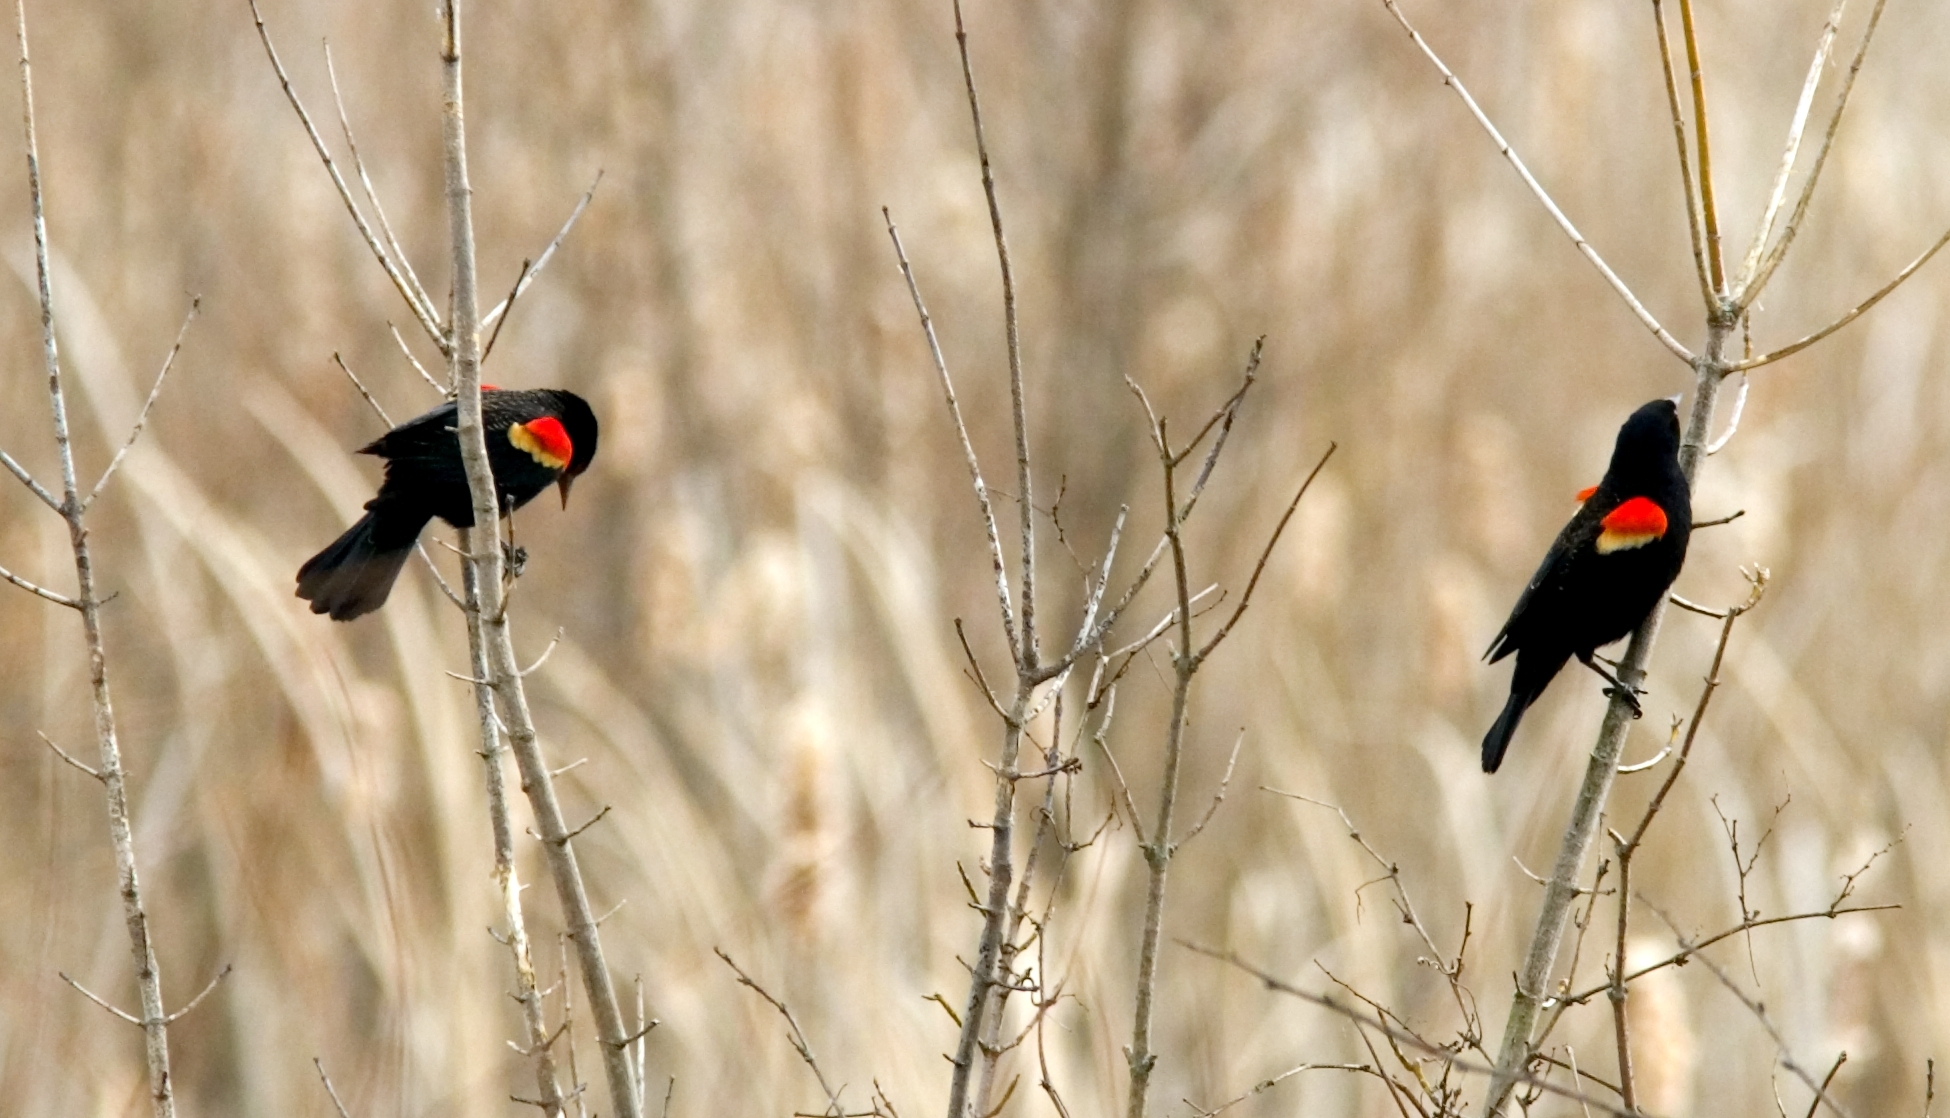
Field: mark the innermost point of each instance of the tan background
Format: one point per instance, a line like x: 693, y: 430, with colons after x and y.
x: 757, y: 581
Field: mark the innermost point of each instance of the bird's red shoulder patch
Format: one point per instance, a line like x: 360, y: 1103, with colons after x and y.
x: 545, y: 440
x: 1634, y: 523
x: 1585, y: 493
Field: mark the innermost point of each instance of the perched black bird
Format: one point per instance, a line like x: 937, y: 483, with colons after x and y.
x: 535, y: 438
x: 1610, y: 565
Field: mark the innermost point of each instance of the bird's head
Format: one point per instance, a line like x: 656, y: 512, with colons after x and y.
x: 561, y: 439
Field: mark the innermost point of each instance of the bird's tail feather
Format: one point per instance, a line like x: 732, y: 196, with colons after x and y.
x: 1534, y: 673
x: 355, y: 572
x: 1497, y: 741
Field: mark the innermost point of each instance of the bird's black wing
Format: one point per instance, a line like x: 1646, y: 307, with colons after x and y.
x: 1577, y: 535
x: 429, y: 433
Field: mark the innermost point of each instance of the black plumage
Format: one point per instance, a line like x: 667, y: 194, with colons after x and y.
x: 1607, y: 570
x: 535, y: 438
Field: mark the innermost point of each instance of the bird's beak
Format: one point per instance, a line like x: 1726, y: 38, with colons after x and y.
x: 1675, y: 397
x: 563, y: 484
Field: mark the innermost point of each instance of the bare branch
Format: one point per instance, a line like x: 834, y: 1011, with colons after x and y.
x: 1733, y: 423
x: 1791, y: 149
x: 1399, y: 1035
x: 1265, y: 1085
x: 63, y: 754
x: 493, y: 317
x: 363, y: 391
x: 415, y: 361
x: 1219, y: 797
x: 798, y: 1035
x: 429, y: 320
x: 592, y: 821
x: 142, y: 416
x: 1026, y: 653
x: 1759, y: 1011
x: 1694, y: 232
x: 975, y: 666
x: 1779, y: 252
x: 329, y: 1089
x: 39, y: 591
x: 1709, y: 210
x: 546, y: 653
x: 1503, y: 148
x: 198, y: 1000
x: 1853, y: 314
x: 509, y: 303
x: 372, y: 196
x: 90, y: 995
x: 967, y: 447
x: 1259, y: 568
x: 27, y: 479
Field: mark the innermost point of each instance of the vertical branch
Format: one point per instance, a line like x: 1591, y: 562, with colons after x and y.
x: 488, y: 620
x: 1693, y: 231
x: 153, y: 1021
x: 1710, y: 212
x: 1619, y: 989
x: 493, y: 753
x: 1777, y: 194
x: 1025, y: 504
x: 1158, y: 851
x: 1533, y: 982
x: 988, y: 953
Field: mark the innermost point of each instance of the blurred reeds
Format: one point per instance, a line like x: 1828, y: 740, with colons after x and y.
x: 757, y: 581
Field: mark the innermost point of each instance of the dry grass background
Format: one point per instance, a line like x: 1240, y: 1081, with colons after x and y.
x: 757, y: 581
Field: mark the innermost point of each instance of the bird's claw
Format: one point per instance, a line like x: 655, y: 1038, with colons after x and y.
x: 1631, y: 696
x: 514, y: 558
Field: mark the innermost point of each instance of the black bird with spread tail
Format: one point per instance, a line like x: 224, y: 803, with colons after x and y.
x: 1609, y: 567
x: 535, y: 438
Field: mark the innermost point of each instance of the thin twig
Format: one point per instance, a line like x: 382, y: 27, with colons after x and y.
x: 1218, y: 797
x: 798, y: 1035
x: 135, y: 918
x: 1265, y: 554
x: 1503, y: 148
x: 329, y: 1089
x: 63, y: 754
x: 1399, y: 1035
x: 1779, y: 252
x: 363, y: 390
x: 1026, y: 653
x: 1709, y: 210
x: 142, y: 416
x: 1694, y: 232
x: 27, y: 479
x: 1854, y: 313
x: 493, y: 316
x: 1265, y: 1085
x: 198, y: 999
x: 1797, y: 126
x: 39, y: 591
x: 967, y: 447
x: 1759, y: 1011
x: 91, y: 996
x: 509, y: 303
x: 365, y: 183
x: 428, y: 318
x: 415, y: 362
x: 1733, y: 424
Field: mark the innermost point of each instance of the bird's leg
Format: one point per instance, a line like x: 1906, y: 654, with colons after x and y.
x: 1631, y: 694
x: 513, y: 557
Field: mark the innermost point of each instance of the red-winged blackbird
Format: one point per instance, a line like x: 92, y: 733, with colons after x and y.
x: 1610, y: 565
x: 535, y: 437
